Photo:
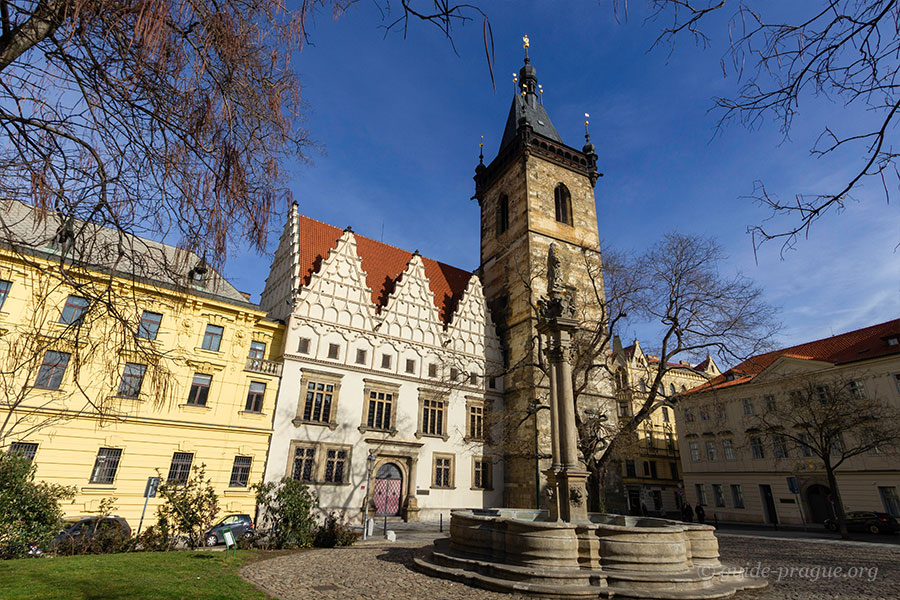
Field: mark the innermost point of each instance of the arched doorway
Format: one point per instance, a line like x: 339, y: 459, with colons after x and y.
x: 387, y: 490
x: 817, y: 500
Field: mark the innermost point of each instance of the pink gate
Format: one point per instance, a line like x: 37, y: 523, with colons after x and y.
x: 387, y: 490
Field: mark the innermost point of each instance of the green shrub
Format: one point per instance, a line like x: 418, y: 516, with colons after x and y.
x: 335, y: 531
x: 286, y: 508
x: 29, y: 511
x: 188, y: 509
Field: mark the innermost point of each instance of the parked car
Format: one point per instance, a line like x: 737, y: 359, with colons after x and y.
x: 241, y: 526
x: 867, y: 521
x: 82, y: 529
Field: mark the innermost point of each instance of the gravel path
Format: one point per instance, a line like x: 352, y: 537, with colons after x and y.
x: 795, y: 570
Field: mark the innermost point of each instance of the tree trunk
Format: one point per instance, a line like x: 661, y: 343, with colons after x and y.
x: 838, y: 504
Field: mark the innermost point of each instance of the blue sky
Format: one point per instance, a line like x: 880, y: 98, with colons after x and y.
x: 398, y: 123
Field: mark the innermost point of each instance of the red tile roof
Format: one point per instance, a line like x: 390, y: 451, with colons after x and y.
x: 862, y: 344
x: 383, y: 265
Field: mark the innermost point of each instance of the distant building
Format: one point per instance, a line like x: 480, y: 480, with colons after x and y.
x: 741, y: 475
x: 387, y: 354
x: 188, y: 380
x: 650, y: 463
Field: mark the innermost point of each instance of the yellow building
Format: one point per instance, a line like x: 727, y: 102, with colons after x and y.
x: 741, y: 473
x: 111, y: 376
x: 650, y: 464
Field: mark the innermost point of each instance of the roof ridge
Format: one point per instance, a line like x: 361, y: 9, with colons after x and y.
x: 373, y: 240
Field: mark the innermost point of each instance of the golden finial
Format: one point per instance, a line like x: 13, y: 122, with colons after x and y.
x: 587, y: 135
x: 525, y: 41
x: 541, y: 93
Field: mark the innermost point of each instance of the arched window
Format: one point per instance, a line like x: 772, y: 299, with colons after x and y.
x: 502, y: 214
x: 563, y: 200
x: 671, y: 389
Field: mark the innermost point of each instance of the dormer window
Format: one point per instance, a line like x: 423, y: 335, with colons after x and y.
x: 197, y: 275
x: 563, y: 201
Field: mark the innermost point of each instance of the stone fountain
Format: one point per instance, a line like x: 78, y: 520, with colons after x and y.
x: 565, y: 551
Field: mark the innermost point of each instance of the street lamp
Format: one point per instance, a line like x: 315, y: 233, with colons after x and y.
x: 370, y: 464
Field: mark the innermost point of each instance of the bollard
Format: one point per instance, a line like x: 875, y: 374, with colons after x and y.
x: 385, y: 525
x: 442, y: 523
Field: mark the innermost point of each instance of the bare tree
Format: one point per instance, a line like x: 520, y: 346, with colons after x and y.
x: 833, y: 420
x: 675, y: 288
x: 123, y: 121
x: 843, y: 50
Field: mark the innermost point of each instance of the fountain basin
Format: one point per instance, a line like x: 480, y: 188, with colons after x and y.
x: 522, y: 551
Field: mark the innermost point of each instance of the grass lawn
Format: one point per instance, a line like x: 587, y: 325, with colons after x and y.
x: 140, y: 575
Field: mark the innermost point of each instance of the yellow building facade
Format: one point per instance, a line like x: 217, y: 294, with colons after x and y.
x: 110, y: 377
x: 651, y: 471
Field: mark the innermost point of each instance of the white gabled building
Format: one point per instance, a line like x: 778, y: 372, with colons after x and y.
x: 388, y: 353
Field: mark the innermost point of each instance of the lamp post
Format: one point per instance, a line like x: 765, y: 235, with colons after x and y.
x: 370, y: 464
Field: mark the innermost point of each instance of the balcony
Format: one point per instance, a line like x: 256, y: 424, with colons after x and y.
x: 263, y: 366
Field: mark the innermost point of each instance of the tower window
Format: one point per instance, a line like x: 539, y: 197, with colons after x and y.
x: 502, y: 214
x: 563, y: 200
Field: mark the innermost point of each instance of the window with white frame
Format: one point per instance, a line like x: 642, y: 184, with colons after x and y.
x: 718, y: 494
x: 737, y: 495
x: 711, y: 453
x: 700, y: 491
x: 756, y: 448
x: 728, y: 449
x: 695, y: 451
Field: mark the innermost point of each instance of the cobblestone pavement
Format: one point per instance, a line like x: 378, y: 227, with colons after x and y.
x: 378, y: 570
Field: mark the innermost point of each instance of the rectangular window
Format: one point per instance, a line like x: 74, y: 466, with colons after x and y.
x: 318, y: 402
x: 180, y: 469
x: 106, y: 465
x: 240, y: 471
x: 673, y: 469
x: 805, y: 450
x: 443, y: 471
x: 386, y: 361
x: 695, y: 451
x: 381, y: 406
x: 779, y: 448
x: 704, y: 413
x: 653, y: 472
x: 481, y: 474
x: 492, y: 383
x: 624, y: 408
x: 199, y: 393
x: 361, y: 356
x: 333, y: 351
x: 665, y: 414
x: 718, y: 494
x: 890, y: 500
x: 26, y: 450
x: 255, y: 396
x: 4, y: 291
x: 770, y: 403
x: 728, y: 449
x: 335, y: 462
x: 303, y: 346
x: 148, y: 328
x: 433, y: 417
x: 700, y: 491
x: 857, y: 391
x: 304, y: 463
x: 132, y: 379
x: 756, y: 448
x: 212, y: 339
x: 630, y: 470
x: 737, y: 496
x: 670, y: 442
x: 473, y: 378
x: 711, y: 453
x: 454, y: 373
x: 432, y: 371
x: 410, y: 365
x: 688, y: 415
x: 257, y: 350
x: 476, y: 421
x: 646, y: 468
x: 721, y: 411
x: 748, y: 406
x: 52, y: 369
x: 74, y: 310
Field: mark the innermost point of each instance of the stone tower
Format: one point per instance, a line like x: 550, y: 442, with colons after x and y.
x: 535, y: 192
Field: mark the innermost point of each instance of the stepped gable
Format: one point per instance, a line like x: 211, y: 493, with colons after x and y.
x: 861, y: 344
x: 383, y: 265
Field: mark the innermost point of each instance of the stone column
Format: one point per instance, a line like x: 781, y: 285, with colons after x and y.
x: 554, y: 411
